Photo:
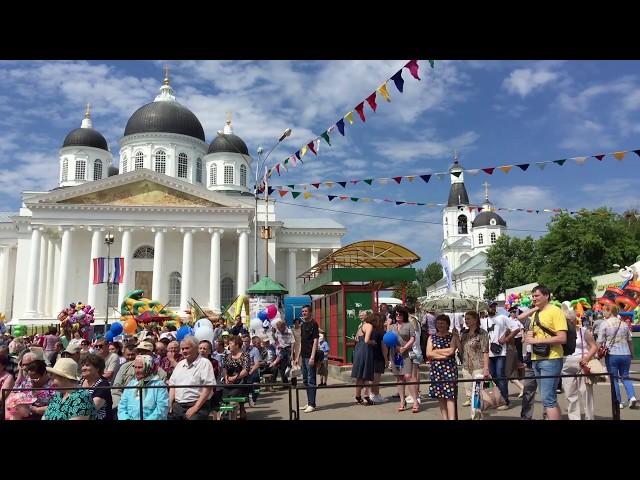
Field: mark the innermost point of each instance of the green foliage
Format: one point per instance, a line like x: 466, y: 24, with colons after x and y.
x: 512, y: 262
x: 412, y: 292
x: 429, y: 276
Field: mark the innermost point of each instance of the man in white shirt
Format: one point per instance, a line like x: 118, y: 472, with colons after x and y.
x: 192, y: 402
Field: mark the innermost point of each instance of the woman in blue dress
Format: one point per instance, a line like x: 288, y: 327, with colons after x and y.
x: 441, y: 349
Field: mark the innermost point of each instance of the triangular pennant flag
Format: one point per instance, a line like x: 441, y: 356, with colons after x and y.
x: 473, y: 171
x: 329, y: 184
x: 364, y: 199
x: 580, y: 160
x: 388, y: 201
x: 523, y: 166
x: 371, y: 100
x: 601, y: 156
x: 343, y: 197
x: 270, y: 190
x: 282, y: 192
x: 340, y: 125
x: 368, y: 181
x: 360, y: 109
x: 432, y: 63
x: 303, y: 151
x: 286, y: 161
x: 331, y: 197
x: 457, y: 174
x: 354, y: 199
x: 425, y: 178
x: 637, y: 152
x: 506, y: 168
x: 342, y: 184
x: 413, y: 68
x: 295, y: 194
x: 560, y: 162
x: 325, y: 135
x: 317, y: 144
x: 354, y: 182
x: 278, y: 168
x: 291, y: 186
x: 399, y: 203
x: 312, y: 147
x: 488, y: 171
x: 383, y: 181
x: 541, y: 165
x: 398, y: 180
x: 384, y: 92
x: 293, y: 160
x: 420, y: 204
x: 538, y: 211
x: 398, y: 80
x: 317, y: 185
x: 307, y: 195
x: 349, y: 117
x: 298, y: 154
x: 619, y: 155
x: 410, y: 177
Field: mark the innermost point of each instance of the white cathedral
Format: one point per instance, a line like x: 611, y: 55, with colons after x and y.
x: 181, y: 212
x: 469, y: 230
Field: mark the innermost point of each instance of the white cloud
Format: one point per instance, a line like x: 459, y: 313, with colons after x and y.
x: 407, y: 151
x: 523, y: 81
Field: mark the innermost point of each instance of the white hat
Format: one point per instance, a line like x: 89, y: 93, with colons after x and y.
x: 65, y: 367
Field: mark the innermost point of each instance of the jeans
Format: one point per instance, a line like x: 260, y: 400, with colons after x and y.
x: 548, y: 386
x: 497, y: 369
x: 255, y: 378
x: 619, y: 365
x: 309, y: 379
x: 285, y: 362
x: 529, y: 394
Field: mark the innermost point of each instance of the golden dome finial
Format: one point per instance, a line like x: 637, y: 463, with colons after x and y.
x: 228, y: 118
x: 87, y: 113
x: 166, y: 75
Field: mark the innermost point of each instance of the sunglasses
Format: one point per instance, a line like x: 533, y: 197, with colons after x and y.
x: 101, y: 345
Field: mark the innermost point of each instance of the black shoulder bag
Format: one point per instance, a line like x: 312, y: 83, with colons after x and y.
x: 541, y: 349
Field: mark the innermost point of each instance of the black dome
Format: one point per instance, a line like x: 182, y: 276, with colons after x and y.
x: 458, y: 195
x: 85, y: 137
x: 169, y: 117
x: 228, y: 143
x: 484, y: 219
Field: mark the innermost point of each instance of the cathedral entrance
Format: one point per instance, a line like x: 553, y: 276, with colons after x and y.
x: 144, y: 281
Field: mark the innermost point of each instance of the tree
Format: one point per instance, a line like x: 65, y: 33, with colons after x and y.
x: 412, y: 292
x: 512, y: 261
x: 429, y: 276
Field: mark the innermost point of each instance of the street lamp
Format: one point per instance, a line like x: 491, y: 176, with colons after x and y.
x: 108, y: 240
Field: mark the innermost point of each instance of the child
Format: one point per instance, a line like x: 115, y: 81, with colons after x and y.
x: 323, y: 370
x: 19, y: 406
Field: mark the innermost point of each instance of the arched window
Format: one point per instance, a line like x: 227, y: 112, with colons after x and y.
x: 65, y: 169
x: 139, y: 161
x: 97, y: 169
x: 243, y: 175
x: 493, y: 237
x: 124, y: 164
x: 462, y: 224
x: 183, y: 163
x: 160, y: 165
x: 213, y: 175
x: 228, y: 174
x: 81, y: 169
x: 199, y: 170
x: 146, y: 251
x: 227, y: 291
x: 175, y: 287
x: 480, y: 239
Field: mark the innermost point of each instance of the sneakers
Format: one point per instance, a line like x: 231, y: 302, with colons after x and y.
x: 467, y: 403
x: 252, y: 402
x: 309, y: 409
x: 632, y: 402
x: 378, y: 398
x: 621, y: 406
x: 305, y: 407
x: 503, y: 407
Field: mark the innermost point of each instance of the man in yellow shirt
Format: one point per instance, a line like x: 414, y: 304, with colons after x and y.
x: 547, y: 363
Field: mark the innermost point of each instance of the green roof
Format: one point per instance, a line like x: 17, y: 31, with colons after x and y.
x: 376, y: 278
x: 266, y: 286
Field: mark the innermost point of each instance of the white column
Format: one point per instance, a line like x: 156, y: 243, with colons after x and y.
x: 50, y: 279
x: 243, y: 261
x: 157, y: 289
x: 32, y: 273
x: 292, y: 268
x: 125, y: 253
x: 187, y: 268
x: 42, y: 275
x: 55, y: 294
x: 214, y: 269
x: 313, y: 256
x: 96, y: 243
x: 64, y: 267
x: 5, y: 251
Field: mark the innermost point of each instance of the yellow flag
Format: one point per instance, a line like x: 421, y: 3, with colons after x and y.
x: 506, y: 168
x: 307, y: 195
x: 383, y: 91
x: 364, y: 199
x: 619, y: 155
x: 349, y: 117
x: 410, y: 177
x: 329, y: 184
x: 303, y: 151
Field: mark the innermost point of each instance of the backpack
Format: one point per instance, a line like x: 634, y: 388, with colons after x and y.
x: 570, y: 346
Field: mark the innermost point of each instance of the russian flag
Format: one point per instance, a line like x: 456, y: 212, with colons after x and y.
x: 101, y: 273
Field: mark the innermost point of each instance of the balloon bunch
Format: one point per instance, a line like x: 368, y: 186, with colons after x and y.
x: 77, y: 317
x: 518, y: 300
x: 580, y: 306
x: 627, y: 299
x: 19, y: 330
x: 115, y: 330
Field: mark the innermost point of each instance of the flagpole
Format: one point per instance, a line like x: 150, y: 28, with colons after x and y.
x: 108, y: 239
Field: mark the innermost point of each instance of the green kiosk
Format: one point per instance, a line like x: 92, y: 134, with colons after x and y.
x: 349, y: 280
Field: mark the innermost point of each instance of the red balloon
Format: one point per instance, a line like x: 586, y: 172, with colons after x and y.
x: 272, y: 311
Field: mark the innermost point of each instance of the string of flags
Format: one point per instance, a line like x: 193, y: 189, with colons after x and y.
x: 619, y: 155
x: 314, y: 145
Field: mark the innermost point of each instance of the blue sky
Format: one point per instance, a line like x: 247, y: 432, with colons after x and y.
x: 492, y: 112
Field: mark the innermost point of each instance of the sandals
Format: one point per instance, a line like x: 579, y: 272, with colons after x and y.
x: 402, y: 407
x: 416, y: 408
x: 359, y: 401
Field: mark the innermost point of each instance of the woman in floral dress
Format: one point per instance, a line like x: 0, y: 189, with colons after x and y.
x: 441, y: 349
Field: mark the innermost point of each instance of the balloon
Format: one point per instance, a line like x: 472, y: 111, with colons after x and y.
x: 183, y: 331
x: 262, y: 315
x: 255, y: 325
x: 19, y: 330
x: 203, y: 322
x: 130, y: 326
x: 204, y: 333
x: 272, y: 311
x: 390, y: 339
x: 116, y: 329
x: 109, y: 336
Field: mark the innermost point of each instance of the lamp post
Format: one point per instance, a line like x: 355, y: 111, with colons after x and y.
x: 266, y: 235
x: 108, y: 240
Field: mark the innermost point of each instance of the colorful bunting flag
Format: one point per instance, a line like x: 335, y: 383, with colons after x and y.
x: 473, y: 171
x: 307, y: 195
x: 506, y: 168
x: 331, y: 197
x: 619, y: 155
x: 317, y: 185
x: 541, y: 165
x: 349, y: 117
x: 457, y: 174
x: 360, y: 109
x: 384, y: 92
x: 637, y: 152
x: 329, y: 184
x: 580, y: 160
x: 312, y: 147
x: 342, y: 184
x: 523, y: 166
x: 599, y: 157
x: 371, y: 100
x: 340, y: 125
x: 410, y: 178
x: 412, y: 65
x: 282, y: 192
x: 425, y: 178
x: 295, y: 194
x: 383, y: 181
x: 303, y: 151
x: 398, y: 80
x: 398, y: 180
x: 325, y: 135
x: 488, y: 171
x: 368, y: 181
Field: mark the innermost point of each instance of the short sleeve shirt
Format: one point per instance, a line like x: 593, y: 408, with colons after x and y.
x: 106, y: 411
x: 112, y: 364
x: 310, y: 331
x: 473, y: 349
x: 77, y: 404
x: 254, y: 356
x: 553, y: 319
x: 405, y: 331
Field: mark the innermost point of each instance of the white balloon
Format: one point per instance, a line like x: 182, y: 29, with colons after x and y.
x: 204, y: 322
x: 204, y: 333
x: 256, y: 325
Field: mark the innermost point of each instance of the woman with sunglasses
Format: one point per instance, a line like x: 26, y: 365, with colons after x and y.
x: 441, y: 349
x: 400, y: 361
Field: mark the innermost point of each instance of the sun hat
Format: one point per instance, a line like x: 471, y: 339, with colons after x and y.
x: 145, y: 345
x: 65, y: 367
x: 72, y: 348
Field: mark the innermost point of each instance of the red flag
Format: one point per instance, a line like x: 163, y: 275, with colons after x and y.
x: 312, y: 147
x: 397, y: 179
x: 317, y: 185
x: 599, y: 157
x: 413, y: 68
x: 278, y: 168
x: 488, y: 170
x: 360, y: 110
x: 371, y: 100
x: 282, y: 192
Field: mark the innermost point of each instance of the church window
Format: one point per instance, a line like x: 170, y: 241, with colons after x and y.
x: 175, y: 287
x: 160, y: 162
x: 114, y: 289
x: 243, y: 175
x: 226, y: 291
x: 228, y: 174
x: 213, y: 175
x: 199, y: 170
x: 493, y: 237
x: 182, y: 165
x: 97, y: 169
x: 462, y: 224
x: 124, y: 164
x: 65, y: 169
x: 139, y: 161
x: 480, y: 239
x: 81, y: 169
x: 145, y: 251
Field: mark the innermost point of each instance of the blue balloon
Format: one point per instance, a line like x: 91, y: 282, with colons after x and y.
x: 108, y: 336
x: 183, y: 331
x: 390, y: 339
x: 116, y: 329
x: 262, y: 315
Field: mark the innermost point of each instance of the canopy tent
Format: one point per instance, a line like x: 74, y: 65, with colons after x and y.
x: 452, y: 302
x: 266, y: 286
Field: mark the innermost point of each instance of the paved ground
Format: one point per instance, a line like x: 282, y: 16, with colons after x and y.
x: 338, y: 404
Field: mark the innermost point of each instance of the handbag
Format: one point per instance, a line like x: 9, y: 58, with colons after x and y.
x: 491, y: 398
x: 603, y: 349
x: 495, y: 348
x: 540, y: 349
x: 593, y: 368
